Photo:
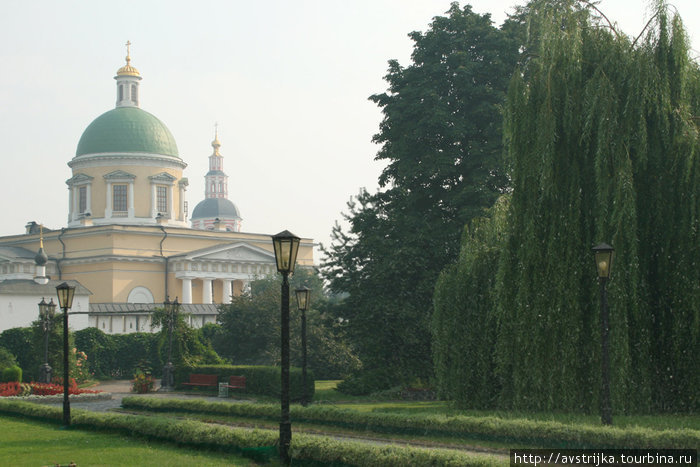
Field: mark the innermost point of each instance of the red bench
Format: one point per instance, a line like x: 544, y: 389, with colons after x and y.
x: 236, y: 382
x: 202, y: 380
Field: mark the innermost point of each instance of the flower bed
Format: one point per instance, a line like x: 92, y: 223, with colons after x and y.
x: 39, y: 389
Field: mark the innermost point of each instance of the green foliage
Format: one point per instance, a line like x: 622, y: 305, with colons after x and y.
x: 464, y: 325
x: 19, y: 341
x: 441, y: 140
x: 260, y: 380
x: 368, y: 382
x: 249, y: 333
x: 522, y: 431
x: 601, y: 145
x: 12, y: 373
x: 121, y: 355
x: 6, y: 359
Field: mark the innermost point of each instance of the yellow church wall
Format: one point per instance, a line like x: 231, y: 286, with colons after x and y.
x: 142, y: 188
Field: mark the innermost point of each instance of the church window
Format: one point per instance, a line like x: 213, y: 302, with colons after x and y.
x: 135, y: 94
x: 82, y: 199
x: 121, y: 92
x: 119, y: 198
x: 162, y: 199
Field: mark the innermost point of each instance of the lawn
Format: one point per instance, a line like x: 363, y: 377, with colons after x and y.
x: 326, y: 392
x: 33, y: 443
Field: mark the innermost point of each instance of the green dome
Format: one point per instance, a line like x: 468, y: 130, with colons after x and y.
x: 126, y: 130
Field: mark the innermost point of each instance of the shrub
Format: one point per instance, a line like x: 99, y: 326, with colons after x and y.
x: 142, y: 382
x: 367, y: 382
x: 13, y: 373
x: 6, y: 359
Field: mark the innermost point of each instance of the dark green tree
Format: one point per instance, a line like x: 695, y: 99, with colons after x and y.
x: 441, y: 139
x: 249, y: 330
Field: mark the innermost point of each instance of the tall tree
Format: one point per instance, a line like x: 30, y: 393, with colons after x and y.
x: 441, y: 138
x: 602, y: 145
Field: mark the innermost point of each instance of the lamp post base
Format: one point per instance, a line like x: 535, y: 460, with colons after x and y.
x: 168, y: 382
x: 45, y: 373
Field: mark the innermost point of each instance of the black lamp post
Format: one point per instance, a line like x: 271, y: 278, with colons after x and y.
x: 604, y: 254
x: 46, y: 314
x: 65, y: 294
x: 171, y: 310
x: 286, y: 248
x: 303, y: 295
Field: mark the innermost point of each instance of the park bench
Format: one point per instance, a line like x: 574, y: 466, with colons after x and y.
x: 202, y: 380
x: 236, y: 382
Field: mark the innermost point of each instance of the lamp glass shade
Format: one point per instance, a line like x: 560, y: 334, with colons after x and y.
x: 286, y: 248
x: 604, y: 254
x: 303, y: 295
x: 65, y: 294
x: 167, y: 305
x: 43, y: 308
x: 51, y: 308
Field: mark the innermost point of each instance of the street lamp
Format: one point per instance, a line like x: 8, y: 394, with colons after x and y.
x: 604, y: 254
x: 171, y: 309
x: 303, y: 296
x: 65, y: 294
x: 46, y: 314
x: 286, y: 246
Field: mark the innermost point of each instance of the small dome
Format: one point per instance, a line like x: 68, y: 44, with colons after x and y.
x: 211, y: 208
x: 127, y: 130
x: 41, y: 258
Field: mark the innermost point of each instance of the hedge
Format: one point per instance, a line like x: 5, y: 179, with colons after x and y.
x: 546, y: 434
x: 261, y: 445
x: 260, y: 380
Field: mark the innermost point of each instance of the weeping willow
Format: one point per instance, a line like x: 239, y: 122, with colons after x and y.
x: 601, y: 135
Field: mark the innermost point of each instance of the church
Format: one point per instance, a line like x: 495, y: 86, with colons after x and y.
x: 128, y: 243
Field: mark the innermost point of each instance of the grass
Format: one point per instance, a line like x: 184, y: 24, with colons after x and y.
x: 326, y: 392
x: 33, y: 443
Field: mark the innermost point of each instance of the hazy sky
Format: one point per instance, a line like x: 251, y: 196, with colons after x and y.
x: 287, y: 82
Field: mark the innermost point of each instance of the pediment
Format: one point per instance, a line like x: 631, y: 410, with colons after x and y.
x: 118, y: 175
x: 78, y: 178
x: 237, y: 252
x: 162, y: 177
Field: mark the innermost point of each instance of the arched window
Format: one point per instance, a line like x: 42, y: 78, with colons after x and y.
x: 121, y: 92
x: 135, y: 94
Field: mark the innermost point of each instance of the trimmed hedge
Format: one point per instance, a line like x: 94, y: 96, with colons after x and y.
x: 540, y: 433
x: 260, y: 445
x: 260, y: 380
x: 10, y: 374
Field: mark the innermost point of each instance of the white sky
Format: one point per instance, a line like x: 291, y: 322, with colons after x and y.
x: 287, y: 81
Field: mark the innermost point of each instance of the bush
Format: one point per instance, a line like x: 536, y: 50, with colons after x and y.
x: 547, y: 434
x: 260, y: 445
x: 366, y: 382
x: 6, y: 359
x: 13, y: 373
x: 142, y: 382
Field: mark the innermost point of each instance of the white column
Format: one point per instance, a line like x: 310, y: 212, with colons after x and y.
x: 227, y: 291
x: 154, y: 201
x: 187, y: 291
x: 181, y: 214
x: 206, y: 291
x: 88, y: 198
x: 131, y: 198
x: 70, y: 203
x: 108, y: 206
x: 171, y: 192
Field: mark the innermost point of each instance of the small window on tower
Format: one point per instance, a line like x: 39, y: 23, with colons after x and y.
x: 121, y: 92
x: 135, y: 94
x: 162, y: 199
x: 82, y: 199
x: 119, y: 198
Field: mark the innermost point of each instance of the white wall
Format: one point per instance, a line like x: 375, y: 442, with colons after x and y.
x: 20, y: 310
